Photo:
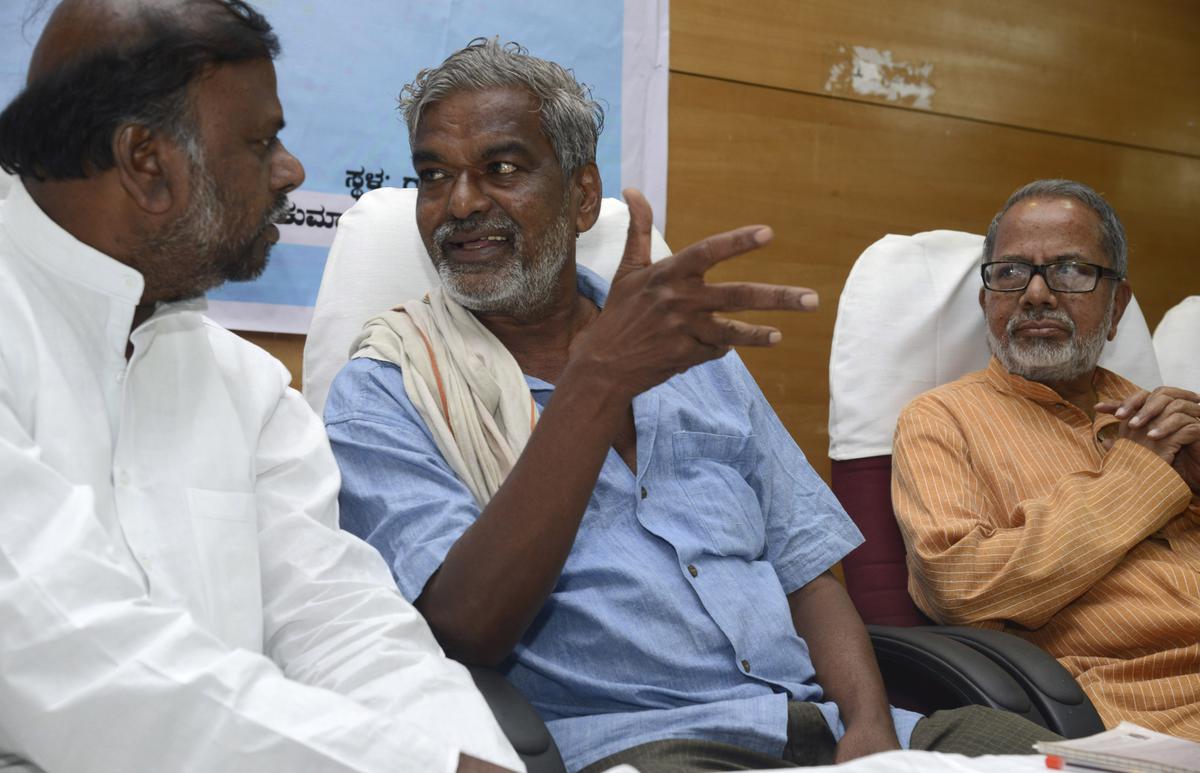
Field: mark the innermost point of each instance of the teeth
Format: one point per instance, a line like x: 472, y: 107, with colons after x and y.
x: 495, y: 238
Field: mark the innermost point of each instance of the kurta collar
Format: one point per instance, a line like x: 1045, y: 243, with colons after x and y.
x: 43, y: 241
x: 1109, y: 386
x: 1010, y: 383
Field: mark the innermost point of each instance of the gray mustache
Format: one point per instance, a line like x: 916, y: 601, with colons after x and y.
x: 451, y: 228
x: 1039, y: 315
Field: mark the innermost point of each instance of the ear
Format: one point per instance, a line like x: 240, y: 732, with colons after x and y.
x: 1121, y: 300
x: 151, y: 168
x: 587, y: 190
x: 981, y: 297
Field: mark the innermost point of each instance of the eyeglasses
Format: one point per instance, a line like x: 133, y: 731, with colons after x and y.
x: 1068, y: 276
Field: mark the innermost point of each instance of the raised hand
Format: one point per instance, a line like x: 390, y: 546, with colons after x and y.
x: 661, y: 319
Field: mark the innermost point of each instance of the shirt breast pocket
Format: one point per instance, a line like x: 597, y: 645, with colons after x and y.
x: 712, y: 471
x: 225, y: 526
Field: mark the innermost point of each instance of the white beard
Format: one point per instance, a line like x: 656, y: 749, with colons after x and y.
x: 522, y: 285
x: 1043, y: 360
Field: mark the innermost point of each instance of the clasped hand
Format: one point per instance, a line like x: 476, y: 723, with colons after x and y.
x: 1167, y: 422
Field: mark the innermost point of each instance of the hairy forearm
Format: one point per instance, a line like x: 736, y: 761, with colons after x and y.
x: 499, y: 573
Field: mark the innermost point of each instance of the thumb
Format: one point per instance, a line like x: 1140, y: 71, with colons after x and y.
x: 637, y: 241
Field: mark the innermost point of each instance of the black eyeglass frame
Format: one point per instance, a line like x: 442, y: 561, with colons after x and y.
x: 1035, y: 269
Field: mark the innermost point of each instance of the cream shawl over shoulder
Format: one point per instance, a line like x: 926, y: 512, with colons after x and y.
x: 463, y: 382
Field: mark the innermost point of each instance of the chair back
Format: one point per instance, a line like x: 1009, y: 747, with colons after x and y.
x: 1177, y: 344
x: 909, y: 320
x: 378, y: 261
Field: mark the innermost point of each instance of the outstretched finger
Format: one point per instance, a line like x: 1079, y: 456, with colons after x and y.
x: 706, y: 253
x: 1157, y: 402
x: 1166, y: 426
x: 1123, y: 408
x: 719, y: 331
x: 637, y: 240
x: 1188, y: 411
x: 744, y: 296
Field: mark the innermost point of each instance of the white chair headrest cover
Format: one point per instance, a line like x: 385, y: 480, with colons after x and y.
x: 909, y: 320
x: 1177, y: 344
x: 378, y: 261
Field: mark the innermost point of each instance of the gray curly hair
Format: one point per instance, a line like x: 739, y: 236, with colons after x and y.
x: 571, y: 119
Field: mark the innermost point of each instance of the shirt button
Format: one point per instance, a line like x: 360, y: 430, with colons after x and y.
x: 746, y: 666
x: 123, y: 478
x: 693, y: 570
x: 645, y: 493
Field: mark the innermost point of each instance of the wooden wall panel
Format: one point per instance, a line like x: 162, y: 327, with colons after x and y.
x: 832, y: 176
x: 1115, y: 70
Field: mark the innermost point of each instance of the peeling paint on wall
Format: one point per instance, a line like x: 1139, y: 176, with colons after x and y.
x: 870, y: 72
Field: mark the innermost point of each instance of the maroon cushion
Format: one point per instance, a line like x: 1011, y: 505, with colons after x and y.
x: 876, y: 575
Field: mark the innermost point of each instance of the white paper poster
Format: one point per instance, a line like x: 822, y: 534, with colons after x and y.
x: 341, y: 70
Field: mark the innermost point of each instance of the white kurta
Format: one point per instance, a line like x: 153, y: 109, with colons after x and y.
x: 175, y: 594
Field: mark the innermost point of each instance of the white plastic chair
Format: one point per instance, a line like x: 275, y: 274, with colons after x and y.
x: 1177, y: 344
x: 909, y: 320
x: 378, y: 261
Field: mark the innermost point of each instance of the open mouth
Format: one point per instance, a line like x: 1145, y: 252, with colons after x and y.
x: 478, y: 243
x: 477, y: 247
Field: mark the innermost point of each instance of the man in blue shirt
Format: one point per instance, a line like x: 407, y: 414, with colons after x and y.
x: 650, y: 564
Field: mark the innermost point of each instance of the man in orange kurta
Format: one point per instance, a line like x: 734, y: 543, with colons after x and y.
x: 1051, y: 498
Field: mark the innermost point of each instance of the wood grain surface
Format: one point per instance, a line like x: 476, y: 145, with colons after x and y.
x: 1120, y: 71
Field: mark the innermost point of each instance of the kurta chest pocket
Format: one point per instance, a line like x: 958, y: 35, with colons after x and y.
x: 712, y: 470
x: 225, y: 525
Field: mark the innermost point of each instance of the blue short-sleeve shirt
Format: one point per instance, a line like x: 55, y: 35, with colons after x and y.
x: 670, y: 618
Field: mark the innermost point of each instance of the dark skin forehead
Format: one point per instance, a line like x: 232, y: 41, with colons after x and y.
x: 79, y: 28
x: 482, y: 123
x: 1042, y: 230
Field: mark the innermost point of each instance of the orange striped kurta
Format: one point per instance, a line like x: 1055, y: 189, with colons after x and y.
x: 1016, y: 518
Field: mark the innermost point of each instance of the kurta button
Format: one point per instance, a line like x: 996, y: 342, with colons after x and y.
x: 746, y: 666
x: 693, y: 570
x: 123, y: 478
x: 644, y: 492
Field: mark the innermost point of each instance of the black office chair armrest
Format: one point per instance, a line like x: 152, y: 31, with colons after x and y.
x: 925, y: 672
x: 1055, y: 694
x: 522, y: 726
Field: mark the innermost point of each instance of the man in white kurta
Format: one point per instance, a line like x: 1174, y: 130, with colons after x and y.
x: 175, y: 593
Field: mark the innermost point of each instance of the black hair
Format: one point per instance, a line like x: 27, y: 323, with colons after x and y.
x: 61, y: 125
